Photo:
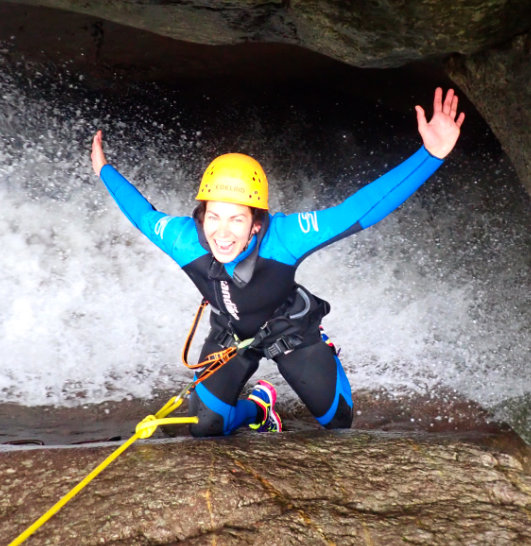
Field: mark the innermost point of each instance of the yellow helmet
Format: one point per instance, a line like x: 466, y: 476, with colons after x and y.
x: 235, y: 178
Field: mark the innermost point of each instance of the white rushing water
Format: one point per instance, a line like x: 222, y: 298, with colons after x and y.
x: 434, y: 297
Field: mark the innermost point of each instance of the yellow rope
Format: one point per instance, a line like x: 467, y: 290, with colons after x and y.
x: 143, y: 430
x: 149, y: 424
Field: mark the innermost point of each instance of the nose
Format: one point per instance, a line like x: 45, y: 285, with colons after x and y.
x: 223, y: 229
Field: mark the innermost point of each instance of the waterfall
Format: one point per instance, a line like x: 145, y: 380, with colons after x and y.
x: 435, y: 298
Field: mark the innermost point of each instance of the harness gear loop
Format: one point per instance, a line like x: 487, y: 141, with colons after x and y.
x: 215, y: 360
x: 191, y: 333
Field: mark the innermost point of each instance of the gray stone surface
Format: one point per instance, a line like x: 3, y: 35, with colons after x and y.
x: 294, y: 488
x: 382, y: 34
x: 498, y: 82
x: 488, y: 38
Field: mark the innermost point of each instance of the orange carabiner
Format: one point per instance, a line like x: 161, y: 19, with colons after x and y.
x: 214, y: 361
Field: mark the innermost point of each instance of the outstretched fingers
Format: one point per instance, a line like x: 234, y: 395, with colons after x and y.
x: 441, y: 132
x: 450, y: 103
x: 437, y: 100
x: 449, y: 106
x: 97, y: 142
x: 453, y: 105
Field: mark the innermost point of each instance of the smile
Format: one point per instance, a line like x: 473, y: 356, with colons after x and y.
x: 224, y: 247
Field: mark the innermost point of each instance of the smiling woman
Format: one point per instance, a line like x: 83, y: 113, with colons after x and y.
x: 228, y: 228
x: 245, y: 267
x: 235, y: 192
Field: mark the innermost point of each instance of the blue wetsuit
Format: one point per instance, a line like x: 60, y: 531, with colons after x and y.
x: 259, y: 287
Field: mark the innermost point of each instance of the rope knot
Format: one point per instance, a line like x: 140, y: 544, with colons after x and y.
x: 143, y: 429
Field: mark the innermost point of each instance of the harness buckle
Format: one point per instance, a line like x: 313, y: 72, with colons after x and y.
x: 264, y: 331
x: 281, y: 346
x: 225, y: 339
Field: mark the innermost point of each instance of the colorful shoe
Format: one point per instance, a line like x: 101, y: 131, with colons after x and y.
x: 264, y: 396
x: 326, y: 339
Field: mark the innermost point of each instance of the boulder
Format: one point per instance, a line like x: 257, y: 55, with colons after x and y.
x: 309, y: 487
x: 498, y: 82
x: 379, y: 34
x: 486, y: 40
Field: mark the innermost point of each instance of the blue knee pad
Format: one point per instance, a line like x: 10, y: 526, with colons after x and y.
x: 243, y: 413
x: 340, y: 413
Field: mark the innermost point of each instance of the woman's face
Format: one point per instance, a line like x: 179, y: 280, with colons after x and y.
x: 228, y: 229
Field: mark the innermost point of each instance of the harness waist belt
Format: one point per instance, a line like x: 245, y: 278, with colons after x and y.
x: 281, y: 346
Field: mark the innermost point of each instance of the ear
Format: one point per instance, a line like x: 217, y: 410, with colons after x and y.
x: 256, y: 228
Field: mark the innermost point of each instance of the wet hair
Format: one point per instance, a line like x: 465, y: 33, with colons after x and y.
x: 258, y: 215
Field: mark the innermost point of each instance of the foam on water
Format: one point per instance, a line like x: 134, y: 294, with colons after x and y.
x: 435, y: 296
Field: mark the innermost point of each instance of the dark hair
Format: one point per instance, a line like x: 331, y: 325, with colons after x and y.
x: 258, y: 215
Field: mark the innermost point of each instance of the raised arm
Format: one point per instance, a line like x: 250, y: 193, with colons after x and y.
x: 131, y: 202
x: 175, y: 235
x: 305, y: 233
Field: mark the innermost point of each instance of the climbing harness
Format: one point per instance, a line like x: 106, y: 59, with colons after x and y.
x: 280, y: 334
x: 149, y: 424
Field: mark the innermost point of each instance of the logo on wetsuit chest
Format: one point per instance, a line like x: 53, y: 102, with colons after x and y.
x: 308, y: 221
x: 229, y: 304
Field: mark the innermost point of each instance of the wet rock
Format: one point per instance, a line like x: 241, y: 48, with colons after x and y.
x: 377, y: 410
x: 314, y: 487
x: 489, y: 37
x: 375, y: 34
x: 497, y: 81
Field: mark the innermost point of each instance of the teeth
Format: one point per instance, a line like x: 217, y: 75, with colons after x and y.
x: 223, y: 246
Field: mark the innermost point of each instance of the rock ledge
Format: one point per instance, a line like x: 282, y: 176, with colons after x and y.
x: 303, y: 487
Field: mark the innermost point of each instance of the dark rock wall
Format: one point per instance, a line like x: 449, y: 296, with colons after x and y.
x: 498, y: 82
x: 387, y: 33
x: 487, y: 40
x: 381, y: 33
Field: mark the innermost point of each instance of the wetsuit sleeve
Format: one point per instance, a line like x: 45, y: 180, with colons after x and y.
x: 175, y: 235
x: 304, y: 233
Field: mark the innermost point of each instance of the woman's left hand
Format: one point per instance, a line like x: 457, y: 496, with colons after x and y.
x: 97, y: 156
x: 440, y: 134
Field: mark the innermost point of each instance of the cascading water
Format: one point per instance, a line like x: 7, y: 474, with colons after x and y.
x: 433, y: 299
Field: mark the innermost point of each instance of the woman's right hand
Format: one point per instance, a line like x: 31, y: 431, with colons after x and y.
x: 97, y: 155
x: 440, y: 134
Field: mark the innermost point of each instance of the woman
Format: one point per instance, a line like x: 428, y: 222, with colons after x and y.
x: 243, y: 261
